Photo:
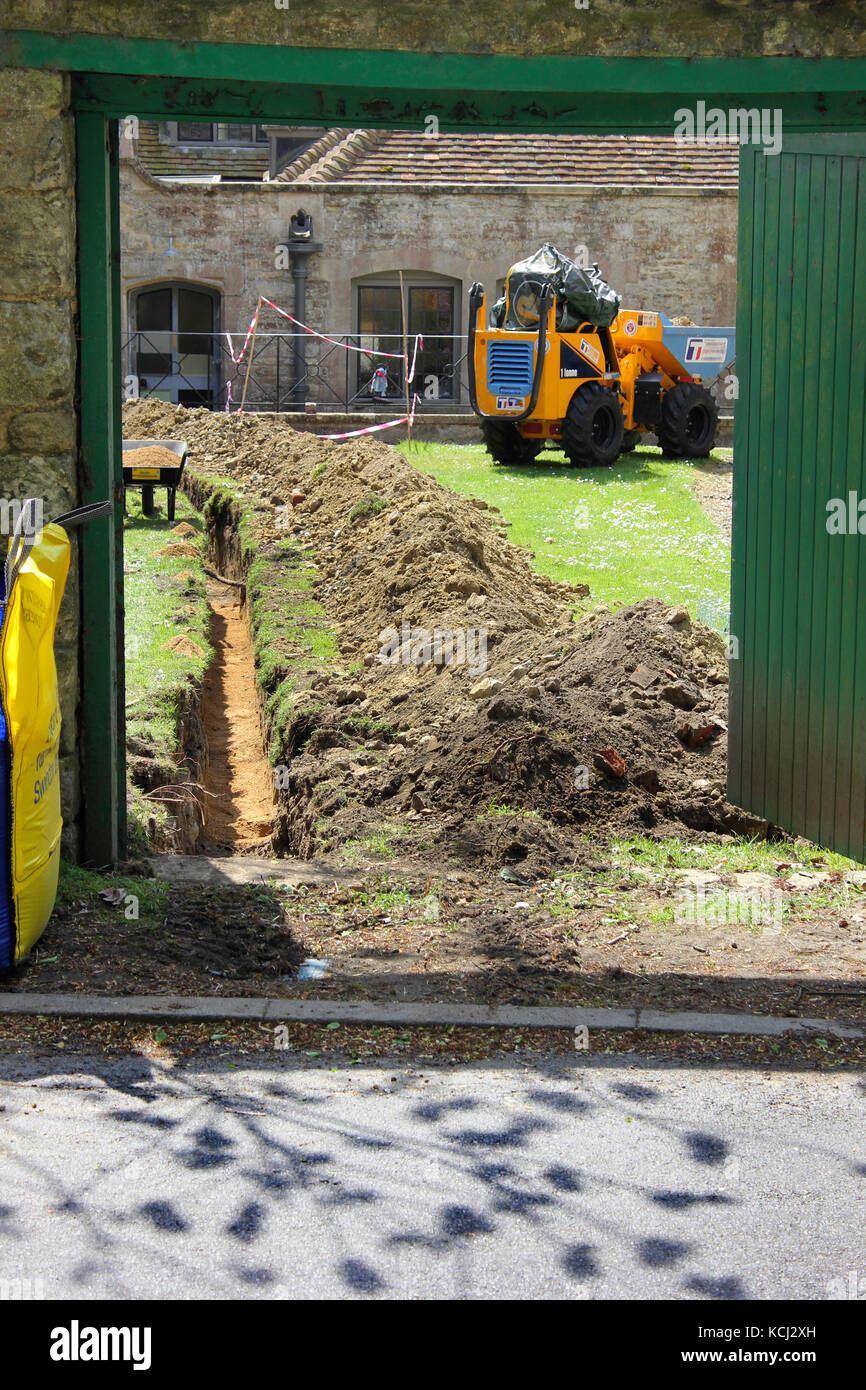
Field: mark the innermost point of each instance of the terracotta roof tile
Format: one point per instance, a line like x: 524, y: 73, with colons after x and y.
x: 627, y: 160
x: 395, y: 156
x: 197, y: 161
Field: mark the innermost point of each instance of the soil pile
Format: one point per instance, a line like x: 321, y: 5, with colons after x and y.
x: 469, y: 683
x: 151, y: 456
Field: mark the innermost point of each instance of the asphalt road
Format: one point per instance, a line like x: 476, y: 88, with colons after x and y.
x: 572, y: 1177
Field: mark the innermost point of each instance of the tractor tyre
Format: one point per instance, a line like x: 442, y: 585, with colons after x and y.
x: 630, y: 440
x: 592, y: 431
x: 506, y: 444
x: 689, y: 421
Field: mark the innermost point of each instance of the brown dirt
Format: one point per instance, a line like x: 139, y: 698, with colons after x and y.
x: 240, y: 800
x: 185, y: 645
x: 392, y: 547
x: 179, y: 548
x: 152, y: 456
x: 714, y: 483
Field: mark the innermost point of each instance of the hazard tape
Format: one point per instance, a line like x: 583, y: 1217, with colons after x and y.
x: 240, y: 357
x: 371, y: 429
x: 350, y: 347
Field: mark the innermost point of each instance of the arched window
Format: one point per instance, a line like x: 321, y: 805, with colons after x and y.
x: 172, y: 348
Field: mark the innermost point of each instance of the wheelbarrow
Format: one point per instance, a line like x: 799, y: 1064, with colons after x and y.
x: 149, y: 478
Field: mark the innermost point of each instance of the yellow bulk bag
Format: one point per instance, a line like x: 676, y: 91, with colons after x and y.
x: 31, y: 588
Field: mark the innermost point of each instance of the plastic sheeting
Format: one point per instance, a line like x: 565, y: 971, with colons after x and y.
x: 582, y: 296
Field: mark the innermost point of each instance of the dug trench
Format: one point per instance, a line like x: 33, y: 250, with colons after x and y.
x: 239, y: 797
x: 487, y: 798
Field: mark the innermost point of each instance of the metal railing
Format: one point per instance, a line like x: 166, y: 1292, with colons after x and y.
x: 288, y: 371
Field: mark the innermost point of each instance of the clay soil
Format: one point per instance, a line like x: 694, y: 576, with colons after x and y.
x: 239, y: 806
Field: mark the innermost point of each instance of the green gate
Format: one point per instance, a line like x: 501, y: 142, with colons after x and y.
x: 798, y: 622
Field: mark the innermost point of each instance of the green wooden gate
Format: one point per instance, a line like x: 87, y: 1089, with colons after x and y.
x: 798, y: 621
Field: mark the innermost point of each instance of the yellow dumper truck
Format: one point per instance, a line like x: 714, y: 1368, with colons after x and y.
x: 562, y: 364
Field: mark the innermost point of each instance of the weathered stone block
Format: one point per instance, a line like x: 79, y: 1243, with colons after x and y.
x: 633, y: 28
x: 45, y: 431
x: 35, y: 152
x: 67, y: 681
x: 37, y: 245
x: 52, y: 479
x: 27, y: 89
x: 37, y: 367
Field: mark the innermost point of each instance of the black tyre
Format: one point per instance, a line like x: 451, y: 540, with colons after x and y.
x: 630, y: 440
x: 147, y: 501
x: 171, y: 496
x: 506, y: 444
x: 689, y: 422
x: 592, y: 430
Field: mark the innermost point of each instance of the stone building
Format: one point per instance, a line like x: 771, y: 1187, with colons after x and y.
x: 207, y: 213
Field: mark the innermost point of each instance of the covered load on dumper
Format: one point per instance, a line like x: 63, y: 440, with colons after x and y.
x: 582, y: 296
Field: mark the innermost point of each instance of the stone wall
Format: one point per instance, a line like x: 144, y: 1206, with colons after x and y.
x: 37, y: 328
x: 630, y: 28
x: 662, y: 249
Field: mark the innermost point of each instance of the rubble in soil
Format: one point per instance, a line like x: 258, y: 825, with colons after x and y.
x: 552, y: 724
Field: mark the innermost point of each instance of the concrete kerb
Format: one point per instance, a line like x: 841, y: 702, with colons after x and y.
x: 154, y: 1008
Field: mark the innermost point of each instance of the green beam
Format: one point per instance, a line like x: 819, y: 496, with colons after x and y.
x: 460, y: 71
x: 102, y: 716
x: 407, y: 107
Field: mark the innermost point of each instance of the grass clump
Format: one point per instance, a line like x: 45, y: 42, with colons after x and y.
x: 366, y: 507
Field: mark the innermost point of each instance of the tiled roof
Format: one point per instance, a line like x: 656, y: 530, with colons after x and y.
x: 411, y: 157
x: 405, y: 157
x: 164, y: 161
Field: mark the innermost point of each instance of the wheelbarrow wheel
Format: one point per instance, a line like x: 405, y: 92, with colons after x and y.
x: 171, y: 501
x: 147, y: 501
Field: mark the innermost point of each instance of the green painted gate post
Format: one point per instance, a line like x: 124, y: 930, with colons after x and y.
x: 103, y: 766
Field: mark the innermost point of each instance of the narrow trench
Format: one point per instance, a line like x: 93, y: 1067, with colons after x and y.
x: 240, y: 801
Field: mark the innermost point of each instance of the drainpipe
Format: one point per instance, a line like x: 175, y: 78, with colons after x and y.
x: 301, y: 247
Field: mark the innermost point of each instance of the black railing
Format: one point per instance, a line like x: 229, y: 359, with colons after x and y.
x: 334, y: 375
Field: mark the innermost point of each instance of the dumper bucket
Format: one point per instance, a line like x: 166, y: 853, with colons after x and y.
x: 679, y: 350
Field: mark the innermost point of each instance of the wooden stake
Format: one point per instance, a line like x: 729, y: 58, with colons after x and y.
x: 250, y: 358
x: 405, y: 360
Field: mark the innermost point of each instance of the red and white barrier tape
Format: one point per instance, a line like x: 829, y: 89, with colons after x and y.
x: 371, y: 429
x: 350, y: 347
x: 240, y: 357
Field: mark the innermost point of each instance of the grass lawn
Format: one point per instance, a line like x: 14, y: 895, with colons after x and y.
x: 160, y: 605
x: 632, y: 531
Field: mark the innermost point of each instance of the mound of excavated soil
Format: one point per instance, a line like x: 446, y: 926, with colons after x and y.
x: 485, y: 689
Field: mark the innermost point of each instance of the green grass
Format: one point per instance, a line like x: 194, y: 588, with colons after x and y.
x: 76, y: 884
x: 381, y: 844
x: 632, y: 531
x: 739, y: 856
x: 367, y: 506
x: 290, y: 629
x: 154, y: 596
